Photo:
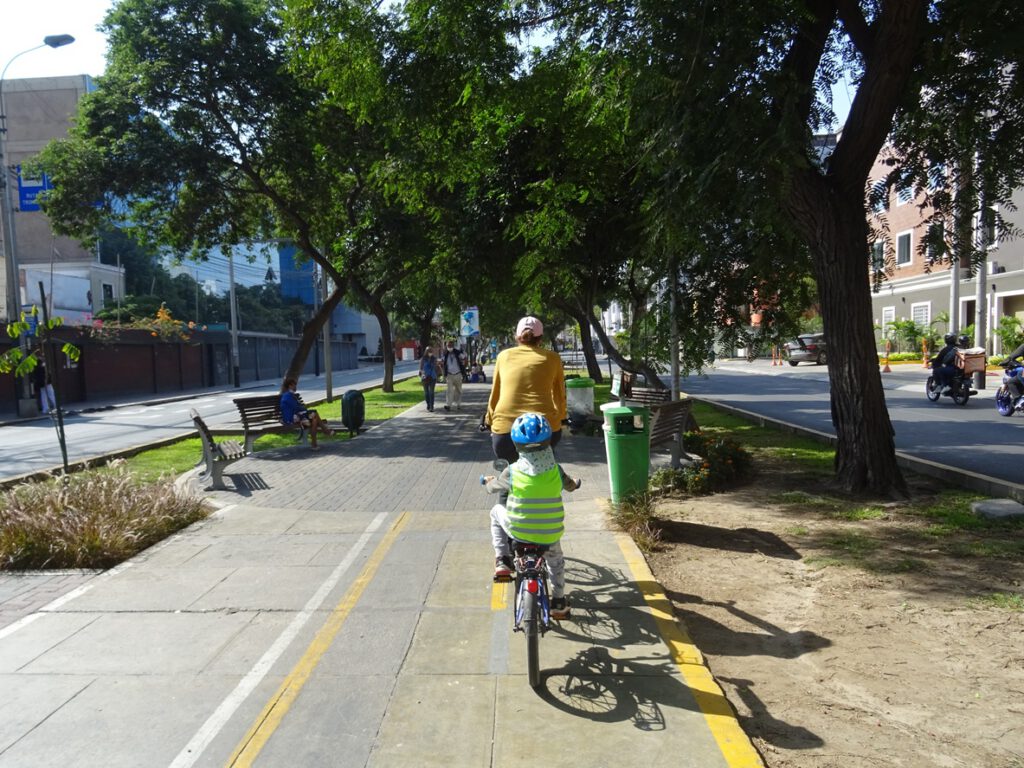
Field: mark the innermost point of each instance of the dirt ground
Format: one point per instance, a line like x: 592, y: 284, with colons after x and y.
x: 847, y: 644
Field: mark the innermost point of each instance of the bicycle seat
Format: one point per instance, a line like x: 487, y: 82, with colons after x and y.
x: 528, y: 548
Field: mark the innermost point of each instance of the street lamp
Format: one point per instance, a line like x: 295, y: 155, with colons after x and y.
x: 10, y: 247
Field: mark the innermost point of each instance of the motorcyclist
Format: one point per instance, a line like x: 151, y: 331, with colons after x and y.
x: 1014, y: 383
x: 944, y: 363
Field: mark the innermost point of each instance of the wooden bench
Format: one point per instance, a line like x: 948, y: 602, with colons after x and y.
x: 669, y: 420
x: 261, y: 415
x: 216, y: 456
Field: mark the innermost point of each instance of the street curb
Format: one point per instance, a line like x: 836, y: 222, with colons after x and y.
x: 972, y: 480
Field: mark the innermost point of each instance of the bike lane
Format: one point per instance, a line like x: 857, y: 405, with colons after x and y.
x: 338, y: 610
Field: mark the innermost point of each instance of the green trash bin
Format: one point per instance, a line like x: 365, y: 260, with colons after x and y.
x: 627, y: 432
x: 579, y: 400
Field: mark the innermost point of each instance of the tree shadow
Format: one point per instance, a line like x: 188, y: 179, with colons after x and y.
x: 749, y: 540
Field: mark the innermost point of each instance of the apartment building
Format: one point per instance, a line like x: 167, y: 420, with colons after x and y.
x: 917, y: 287
x: 39, y: 110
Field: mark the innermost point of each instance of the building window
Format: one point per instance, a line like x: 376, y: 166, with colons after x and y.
x: 921, y: 313
x: 108, y: 294
x: 879, y: 197
x: 888, y: 318
x: 986, y: 232
x: 936, y: 177
x: 878, y: 256
x: 936, y: 241
x: 903, y: 252
x: 904, y: 195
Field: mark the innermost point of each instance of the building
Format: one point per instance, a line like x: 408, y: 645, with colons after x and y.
x: 923, y: 289
x: 38, y: 111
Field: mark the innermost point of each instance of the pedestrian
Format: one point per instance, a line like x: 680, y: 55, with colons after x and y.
x: 429, y: 371
x: 293, y: 413
x: 44, y: 387
x: 527, y: 379
x: 453, y: 366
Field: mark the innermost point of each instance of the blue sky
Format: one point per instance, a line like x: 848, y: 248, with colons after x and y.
x: 27, y: 22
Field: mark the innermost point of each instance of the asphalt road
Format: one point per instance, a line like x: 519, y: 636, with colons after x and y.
x: 32, y: 446
x: 973, y: 437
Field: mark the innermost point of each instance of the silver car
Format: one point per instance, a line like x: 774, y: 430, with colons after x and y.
x: 807, y: 348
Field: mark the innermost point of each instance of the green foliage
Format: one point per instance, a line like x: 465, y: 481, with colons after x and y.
x: 635, y: 516
x: 21, y: 362
x: 723, y: 465
x: 1010, y: 332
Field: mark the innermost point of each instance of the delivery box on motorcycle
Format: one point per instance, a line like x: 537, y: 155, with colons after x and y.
x: 971, y: 360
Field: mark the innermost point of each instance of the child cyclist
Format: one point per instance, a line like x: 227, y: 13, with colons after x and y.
x: 534, y: 512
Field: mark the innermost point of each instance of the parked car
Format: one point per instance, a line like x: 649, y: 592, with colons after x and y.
x: 807, y: 348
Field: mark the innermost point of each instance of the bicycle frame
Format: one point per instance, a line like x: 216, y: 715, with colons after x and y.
x: 531, y: 576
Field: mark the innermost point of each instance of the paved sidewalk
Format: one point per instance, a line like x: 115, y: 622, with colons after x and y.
x: 337, y: 610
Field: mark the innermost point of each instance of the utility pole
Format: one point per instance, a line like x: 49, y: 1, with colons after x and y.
x: 234, y: 322
x: 328, y: 366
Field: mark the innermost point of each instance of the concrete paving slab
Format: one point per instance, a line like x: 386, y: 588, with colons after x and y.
x: 604, y: 721
x: 333, y: 723
x: 438, y: 721
x: 137, y: 644
x: 251, y: 520
x: 270, y: 588
x: 451, y: 642
x: 464, y: 576
x: 372, y: 642
x: 118, y: 722
x: 151, y: 589
x: 29, y: 700
x: 998, y: 509
x: 241, y: 551
x: 39, y: 637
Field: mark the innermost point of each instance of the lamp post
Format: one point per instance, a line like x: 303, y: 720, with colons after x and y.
x: 13, y: 297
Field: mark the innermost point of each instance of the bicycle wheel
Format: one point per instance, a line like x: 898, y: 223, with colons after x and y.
x: 531, y: 628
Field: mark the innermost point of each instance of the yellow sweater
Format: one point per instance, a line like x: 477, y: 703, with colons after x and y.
x: 526, y: 379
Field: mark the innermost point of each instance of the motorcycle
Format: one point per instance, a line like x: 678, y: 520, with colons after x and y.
x: 1004, y: 398
x: 959, y: 388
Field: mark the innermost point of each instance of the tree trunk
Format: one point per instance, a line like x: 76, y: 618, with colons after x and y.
x: 837, y: 230
x: 387, y: 343
x: 310, y: 331
x: 586, y: 337
x: 625, y: 364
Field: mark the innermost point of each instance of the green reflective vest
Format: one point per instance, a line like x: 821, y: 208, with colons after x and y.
x: 535, y: 511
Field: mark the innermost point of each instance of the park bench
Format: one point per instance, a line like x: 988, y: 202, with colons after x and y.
x: 261, y: 414
x: 216, y: 456
x: 669, y: 420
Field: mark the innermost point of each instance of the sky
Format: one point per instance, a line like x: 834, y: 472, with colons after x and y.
x: 27, y: 22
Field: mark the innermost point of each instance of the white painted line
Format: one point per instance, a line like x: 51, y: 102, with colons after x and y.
x: 209, y: 730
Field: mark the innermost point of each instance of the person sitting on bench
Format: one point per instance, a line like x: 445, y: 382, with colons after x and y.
x: 292, y: 412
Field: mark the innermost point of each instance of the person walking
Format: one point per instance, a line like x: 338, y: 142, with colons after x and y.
x: 454, y: 368
x: 44, y: 387
x: 429, y: 367
x: 527, y: 379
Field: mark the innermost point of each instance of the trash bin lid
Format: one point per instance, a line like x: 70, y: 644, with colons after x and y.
x: 580, y: 382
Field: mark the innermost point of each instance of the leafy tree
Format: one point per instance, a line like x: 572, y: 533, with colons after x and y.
x: 200, y: 136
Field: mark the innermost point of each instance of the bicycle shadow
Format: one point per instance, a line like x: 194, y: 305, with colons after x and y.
x: 597, y: 686
x: 764, y: 639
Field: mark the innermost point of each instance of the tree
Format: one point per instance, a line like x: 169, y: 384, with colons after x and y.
x: 740, y: 92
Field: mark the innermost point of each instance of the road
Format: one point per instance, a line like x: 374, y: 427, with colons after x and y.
x: 31, y: 446
x: 972, y: 437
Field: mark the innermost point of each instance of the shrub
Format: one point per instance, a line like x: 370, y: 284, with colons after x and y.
x: 89, y: 520
x: 723, y: 464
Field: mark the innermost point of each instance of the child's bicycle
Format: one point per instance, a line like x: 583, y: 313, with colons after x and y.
x: 531, y: 608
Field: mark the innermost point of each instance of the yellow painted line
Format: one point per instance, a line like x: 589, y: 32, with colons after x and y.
x: 273, y: 713
x: 499, y: 595
x: 736, y: 746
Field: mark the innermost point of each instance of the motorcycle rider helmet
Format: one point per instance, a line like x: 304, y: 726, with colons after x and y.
x: 530, y: 429
x: 963, y: 340
x: 950, y: 339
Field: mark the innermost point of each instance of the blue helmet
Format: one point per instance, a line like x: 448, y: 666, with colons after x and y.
x: 530, y: 428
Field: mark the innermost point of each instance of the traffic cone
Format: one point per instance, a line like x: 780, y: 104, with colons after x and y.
x: 886, y: 368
